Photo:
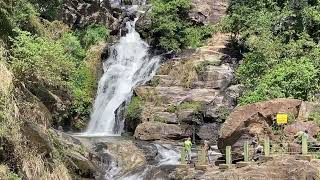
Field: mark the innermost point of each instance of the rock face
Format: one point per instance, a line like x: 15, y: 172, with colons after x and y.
x: 257, y: 119
x: 149, y: 131
x: 191, y: 91
x: 204, y: 11
x: 81, y: 13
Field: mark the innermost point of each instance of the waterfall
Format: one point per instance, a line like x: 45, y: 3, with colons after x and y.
x: 128, y: 65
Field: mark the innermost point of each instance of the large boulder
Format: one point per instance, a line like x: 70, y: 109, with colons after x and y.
x: 252, y: 120
x: 149, y: 131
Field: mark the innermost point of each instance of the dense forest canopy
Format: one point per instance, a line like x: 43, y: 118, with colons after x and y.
x: 279, y: 40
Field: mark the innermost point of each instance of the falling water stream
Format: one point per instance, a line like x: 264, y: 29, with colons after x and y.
x: 129, y: 65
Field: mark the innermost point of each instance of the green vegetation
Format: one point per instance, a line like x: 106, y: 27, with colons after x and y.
x: 280, y: 44
x: 92, y: 35
x: 6, y: 174
x: 157, y: 118
x: 195, y: 106
x: 134, y: 110
x: 45, y: 53
x: 133, y: 114
x: 171, y: 30
x: 171, y: 108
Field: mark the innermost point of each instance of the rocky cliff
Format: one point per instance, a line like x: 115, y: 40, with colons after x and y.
x: 194, y: 90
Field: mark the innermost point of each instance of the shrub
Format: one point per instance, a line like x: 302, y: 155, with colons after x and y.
x: 40, y: 58
x: 72, y: 46
x: 171, y: 30
x: 276, y: 38
x: 133, y: 114
x: 93, y: 34
x: 134, y: 110
x: 56, y: 63
x: 293, y: 79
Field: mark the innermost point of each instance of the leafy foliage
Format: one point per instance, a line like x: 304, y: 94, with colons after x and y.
x: 133, y: 113
x: 170, y: 28
x: 54, y: 63
x: 93, y: 34
x: 280, y: 44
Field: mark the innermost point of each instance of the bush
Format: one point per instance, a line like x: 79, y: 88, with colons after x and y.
x: 134, y: 109
x: 277, y: 37
x: 93, y: 34
x: 56, y: 63
x: 171, y: 30
x: 293, y: 79
x: 133, y: 113
x: 40, y: 58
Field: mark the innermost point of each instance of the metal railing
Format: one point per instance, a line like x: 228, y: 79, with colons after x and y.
x: 202, y: 154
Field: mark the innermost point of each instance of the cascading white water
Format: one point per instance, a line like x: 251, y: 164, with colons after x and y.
x: 129, y: 65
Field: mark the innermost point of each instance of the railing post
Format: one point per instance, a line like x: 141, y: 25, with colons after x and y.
x: 304, y: 145
x: 246, y: 151
x: 266, y: 146
x: 228, y: 155
x: 203, y: 157
x: 183, y: 156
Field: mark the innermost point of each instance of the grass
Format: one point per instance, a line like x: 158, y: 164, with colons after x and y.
x: 185, y: 73
x: 157, y: 118
x: 6, y: 174
x: 171, y: 108
x: 200, y: 68
x: 155, y: 81
x: 195, y: 106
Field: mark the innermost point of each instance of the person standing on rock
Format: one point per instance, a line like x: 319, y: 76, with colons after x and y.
x: 187, y: 149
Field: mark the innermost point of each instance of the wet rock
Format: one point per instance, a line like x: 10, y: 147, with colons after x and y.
x: 150, y: 150
x: 189, y: 116
x: 155, y: 131
x: 126, y: 156
x: 209, y: 132
x: 85, y: 167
